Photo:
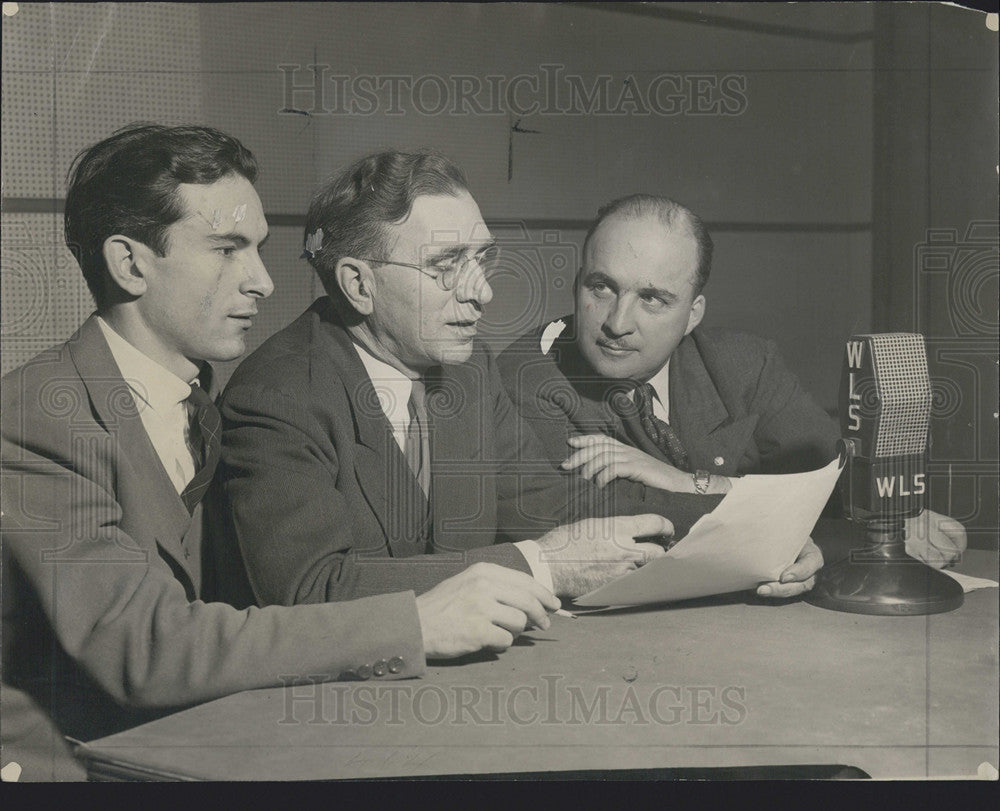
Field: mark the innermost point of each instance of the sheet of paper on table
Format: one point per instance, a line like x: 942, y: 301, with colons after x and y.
x: 755, y: 533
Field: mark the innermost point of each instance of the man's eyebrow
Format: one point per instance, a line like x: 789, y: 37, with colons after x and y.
x: 453, y: 251
x: 659, y: 292
x: 239, y: 239
x: 596, y: 276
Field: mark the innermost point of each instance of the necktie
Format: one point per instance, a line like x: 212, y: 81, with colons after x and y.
x: 206, y: 428
x: 662, y: 434
x: 417, y: 449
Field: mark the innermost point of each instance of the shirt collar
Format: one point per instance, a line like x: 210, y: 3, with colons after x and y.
x: 391, y: 385
x: 661, y: 383
x: 155, y: 385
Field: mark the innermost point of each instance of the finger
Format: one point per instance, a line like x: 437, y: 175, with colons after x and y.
x: 525, y: 605
x: 785, y: 590
x: 574, y: 460
x: 590, y: 440
x: 600, y: 462
x: 809, y: 562
x: 510, y: 619
x: 583, y: 456
x: 497, y: 639
x: 650, y: 551
x: 953, y: 530
x: 513, y: 587
x: 644, y: 525
x: 613, y: 471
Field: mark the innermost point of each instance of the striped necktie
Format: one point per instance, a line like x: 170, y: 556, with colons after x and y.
x: 417, y: 450
x: 205, y: 433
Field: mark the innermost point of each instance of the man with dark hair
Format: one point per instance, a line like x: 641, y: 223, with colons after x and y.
x: 639, y: 391
x: 373, y: 430
x: 109, y: 442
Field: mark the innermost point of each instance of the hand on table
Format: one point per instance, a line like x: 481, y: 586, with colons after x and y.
x: 485, y: 606
x: 586, y: 554
x: 797, y: 578
x: 602, y: 459
x: 936, y: 539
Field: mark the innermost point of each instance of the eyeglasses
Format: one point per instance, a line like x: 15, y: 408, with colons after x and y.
x: 447, y: 271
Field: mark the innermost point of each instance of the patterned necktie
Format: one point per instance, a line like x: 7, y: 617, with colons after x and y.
x: 662, y: 434
x: 417, y: 449
x: 206, y: 428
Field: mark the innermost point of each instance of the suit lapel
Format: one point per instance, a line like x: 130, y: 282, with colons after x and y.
x: 140, y: 465
x: 700, y: 415
x: 392, y: 492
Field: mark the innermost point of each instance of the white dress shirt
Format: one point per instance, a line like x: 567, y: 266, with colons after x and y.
x: 159, y: 398
x: 393, y: 388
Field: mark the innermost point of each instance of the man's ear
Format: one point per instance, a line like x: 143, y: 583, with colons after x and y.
x: 354, y: 278
x: 125, y: 259
x: 697, y: 313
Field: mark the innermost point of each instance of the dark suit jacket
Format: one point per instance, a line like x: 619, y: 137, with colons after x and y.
x: 733, y: 402
x: 323, y: 505
x: 102, y: 621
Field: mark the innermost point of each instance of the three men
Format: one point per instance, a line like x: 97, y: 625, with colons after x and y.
x: 108, y: 444
x: 639, y: 391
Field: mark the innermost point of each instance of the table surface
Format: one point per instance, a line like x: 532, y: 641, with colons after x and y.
x: 728, y: 681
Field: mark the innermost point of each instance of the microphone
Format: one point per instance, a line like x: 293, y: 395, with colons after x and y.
x: 884, y: 405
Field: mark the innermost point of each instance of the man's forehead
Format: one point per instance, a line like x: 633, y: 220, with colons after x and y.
x: 445, y: 220
x: 642, y: 247
x: 634, y: 233
x: 230, y: 203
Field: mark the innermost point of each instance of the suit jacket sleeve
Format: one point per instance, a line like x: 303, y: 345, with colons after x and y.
x: 115, y: 606
x: 302, y: 539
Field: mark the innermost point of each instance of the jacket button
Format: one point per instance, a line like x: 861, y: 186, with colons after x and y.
x: 395, y: 664
x: 365, y: 672
x: 380, y: 668
x: 719, y: 461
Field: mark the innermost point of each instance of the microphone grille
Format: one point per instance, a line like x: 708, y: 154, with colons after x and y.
x: 900, y: 366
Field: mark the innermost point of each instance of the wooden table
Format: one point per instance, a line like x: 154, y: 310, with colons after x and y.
x: 731, y: 681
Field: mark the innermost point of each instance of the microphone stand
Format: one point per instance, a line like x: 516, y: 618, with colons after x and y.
x: 879, y: 577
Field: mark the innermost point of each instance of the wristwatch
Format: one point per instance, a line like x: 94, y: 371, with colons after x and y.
x: 702, y: 480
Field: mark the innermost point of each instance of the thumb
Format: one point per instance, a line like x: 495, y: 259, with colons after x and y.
x: 646, y: 524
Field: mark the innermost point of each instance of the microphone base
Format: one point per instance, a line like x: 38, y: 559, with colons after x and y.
x: 882, y: 579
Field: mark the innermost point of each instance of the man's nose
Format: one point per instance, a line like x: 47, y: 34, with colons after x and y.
x: 256, y: 280
x: 619, y: 320
x: 474, y: 287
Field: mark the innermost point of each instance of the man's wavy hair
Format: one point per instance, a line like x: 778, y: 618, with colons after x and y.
x: 127, y: 184
x: 351, y: 214
x: 670, y: 213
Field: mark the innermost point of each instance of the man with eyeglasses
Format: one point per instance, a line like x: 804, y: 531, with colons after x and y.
x: 369, y: 446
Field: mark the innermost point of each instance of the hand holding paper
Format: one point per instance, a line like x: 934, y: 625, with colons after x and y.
x: 797, y: 578
x: 752, y: 537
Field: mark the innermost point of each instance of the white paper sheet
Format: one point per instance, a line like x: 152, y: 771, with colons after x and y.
x: 755, y: 533
x: 970, y: 583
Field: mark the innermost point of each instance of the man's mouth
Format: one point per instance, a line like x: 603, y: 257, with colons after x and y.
x: 468, y: 326
x: 245, y: 318
x: 614, y: 349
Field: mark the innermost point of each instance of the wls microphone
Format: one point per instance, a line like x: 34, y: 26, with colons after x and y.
x: 885, y: 403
